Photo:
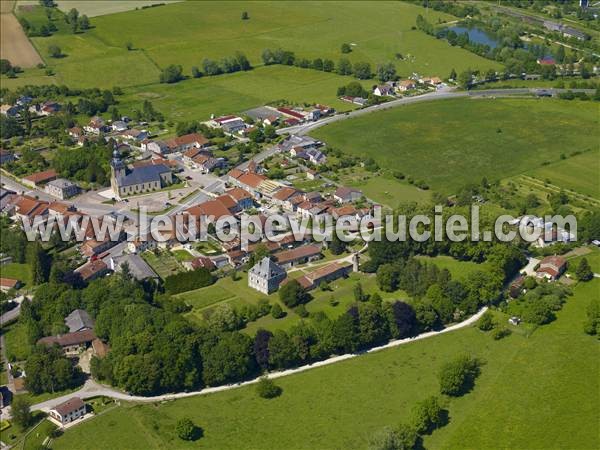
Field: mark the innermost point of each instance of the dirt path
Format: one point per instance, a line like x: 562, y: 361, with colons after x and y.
x: 93, y: 389
x: 14, y: 44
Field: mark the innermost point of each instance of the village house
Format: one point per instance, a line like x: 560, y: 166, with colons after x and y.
x: 551, y: 267
x: 96, y: 126
x: 6, y: 284
x: 282, y: 197
x: 207, y: 164
x: 291, y: 113
x: 299, y: 255
x: 383, y: 90
x: 406, y: 85
x: 62, y: 188
x: 201, y: 262
x: 79, y: 320
x: 69, y: 411
x: 26, y: 207
x: 192, y: 153
x: 39, y: 178
x: 265, y: 276
x: 75, y: 132
x: 158, y: 147
x: 242, y: 197
x: 138, y: 268
x: 134, y: 135
x: 229, y: 124
x: 93, y: 269
x: 186, y: 142
x: 347, y: 195
x: 119, y: 126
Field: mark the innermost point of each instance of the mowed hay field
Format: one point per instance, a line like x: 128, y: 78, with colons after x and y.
x: 534, y: 392
x: 450, y: 143
x: 185, y: 33
x: 14, y: 44
x: 199, y: 98
x: 93, y: 8
x: 579, y: 173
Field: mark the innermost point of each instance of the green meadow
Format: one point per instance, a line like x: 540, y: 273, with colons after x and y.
x: 450, y: 143
x: 187, y: 32
x: 536, y: 391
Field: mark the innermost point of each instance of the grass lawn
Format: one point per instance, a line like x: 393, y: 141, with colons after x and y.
x: 450, y: 143
x: 182, y: 255
x: 593, y: 259
x: 578, y: 173
x: 534, y: 392
x: 458, y: 269
x: 18, y: 271
x: 213, y: 29
x: 35, y: 439
x: 15, y: 338
x: 164, y: 264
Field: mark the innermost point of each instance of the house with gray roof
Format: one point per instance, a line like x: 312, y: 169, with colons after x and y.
x: 266, y: 275
x: 79, y: 320
x: 61, y: 188
x: 139, y: 269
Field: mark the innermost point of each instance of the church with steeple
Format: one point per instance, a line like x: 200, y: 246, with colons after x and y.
x: 138, y: 180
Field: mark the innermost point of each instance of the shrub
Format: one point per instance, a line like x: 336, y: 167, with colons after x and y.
x: 265, y: 388
x: 277, y: 312
x: 186, y: 430
x: 428, y: 415
x: 457, y: 377
x: 500, y: 333
x: 402, y: 438
x: 301, y: 311
x: 486, y: 323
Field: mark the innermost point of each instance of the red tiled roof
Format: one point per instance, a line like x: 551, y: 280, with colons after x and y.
x: 252, y: 179
x: 187, y: 139
x: 39, y: 177
x: 213, y: 208
x: 235, y: 173
x: 92, y: 268
x: 284, y: 193
x: 238, y: 194
x: 9, y: 283
x: 203, y: 261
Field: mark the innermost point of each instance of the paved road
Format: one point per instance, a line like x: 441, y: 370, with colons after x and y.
x: 92, y: 388
x: 441, y: 94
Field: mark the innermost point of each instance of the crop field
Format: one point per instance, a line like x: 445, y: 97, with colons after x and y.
x: 94, y: 8
x: 197, y: 99
x: 450, y: 143
x: 212, y: 29
x: 578, y: 173
x: 339, y: 406
x: 14, y: 44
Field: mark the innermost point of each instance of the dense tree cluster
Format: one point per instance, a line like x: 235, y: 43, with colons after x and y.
x: 539, y: 305
x: 592, y: 325
x: 231, y: 64
x: 88, y: 163
x: 48, y: 370
x: 171, y: 74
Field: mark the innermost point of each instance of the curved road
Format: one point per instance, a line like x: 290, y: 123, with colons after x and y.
x: 92, y: 388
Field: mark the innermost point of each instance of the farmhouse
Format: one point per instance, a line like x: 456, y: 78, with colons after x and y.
x: 551, y: 267
x: 28, y: 207
x: 62, y: 188
x: 71, y: 343
x: 327, y: 273
x: 126, y: 181
x: 299, y: 255
x: 67, y: 412
x: 292, y: 113
x: 265, y: 276
x: 187, y: 141
x: 347, y: 195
